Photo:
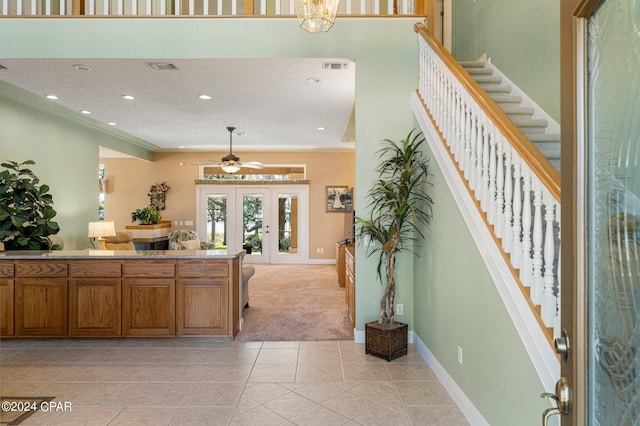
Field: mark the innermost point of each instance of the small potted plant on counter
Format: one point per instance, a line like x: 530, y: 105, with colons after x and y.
x: 148, y: 215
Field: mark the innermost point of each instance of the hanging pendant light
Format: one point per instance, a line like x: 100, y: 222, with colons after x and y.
x: 316, y: 16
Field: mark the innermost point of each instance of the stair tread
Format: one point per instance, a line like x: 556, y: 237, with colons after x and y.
x: 479, y: 71
x: 516, y: 109
x: 546, y: 138
x: 488, y: 79
x: 472, y: 64
x: 551, y: 153
x: 501, y: 98
x: 495, y: 88
x: 529, y: 122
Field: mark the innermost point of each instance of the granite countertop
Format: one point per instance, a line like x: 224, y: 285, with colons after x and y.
x: 118, y: 254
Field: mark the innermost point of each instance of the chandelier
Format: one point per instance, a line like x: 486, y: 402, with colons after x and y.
x: 316, y: 16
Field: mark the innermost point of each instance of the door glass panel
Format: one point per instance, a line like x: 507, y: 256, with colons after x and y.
x: 613, y: 214
x: 217, y: 220
x: 252, y: 215
x: 287, y: 224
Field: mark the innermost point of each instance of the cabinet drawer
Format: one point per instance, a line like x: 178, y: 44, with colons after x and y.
x: 203, y: 269
x: 96, y: 269
x: 42, y: 269
x: 150, y: 269
x: 6, y: 270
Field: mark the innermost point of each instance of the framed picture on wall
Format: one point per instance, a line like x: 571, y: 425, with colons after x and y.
x: 339, y: 198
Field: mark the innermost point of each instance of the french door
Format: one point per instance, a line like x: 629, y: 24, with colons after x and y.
x: 601, y: 304
x: 270, y: 222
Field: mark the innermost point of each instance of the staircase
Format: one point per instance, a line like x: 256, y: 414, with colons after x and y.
x: 535, y: 129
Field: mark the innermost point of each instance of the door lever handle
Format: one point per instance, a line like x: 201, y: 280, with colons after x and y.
x: 562, y: 399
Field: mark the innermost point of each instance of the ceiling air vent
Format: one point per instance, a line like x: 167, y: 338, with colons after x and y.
x: 335, y: 65
x: 162, y: 66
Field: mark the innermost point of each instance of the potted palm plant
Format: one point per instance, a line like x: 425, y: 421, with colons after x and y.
x: 399, y: 209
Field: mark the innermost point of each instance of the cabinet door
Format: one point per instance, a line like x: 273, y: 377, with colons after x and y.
x: 351, y: 297
x: 149, y: 307
x: 203, y: 307
x: 6, y: 307
x: 96, y: 307
x: 41, y: 308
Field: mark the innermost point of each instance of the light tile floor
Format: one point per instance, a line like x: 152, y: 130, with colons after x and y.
x: 207, y: 382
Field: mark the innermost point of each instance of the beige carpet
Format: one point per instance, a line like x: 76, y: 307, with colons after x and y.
x: 295, y: 302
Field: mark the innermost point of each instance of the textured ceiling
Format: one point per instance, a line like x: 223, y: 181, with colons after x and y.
x: 277, y: 103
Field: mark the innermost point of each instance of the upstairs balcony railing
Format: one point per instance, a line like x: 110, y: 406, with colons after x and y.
x: 142, y: 8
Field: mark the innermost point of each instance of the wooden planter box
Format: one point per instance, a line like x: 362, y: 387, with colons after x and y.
x: 388, y: 343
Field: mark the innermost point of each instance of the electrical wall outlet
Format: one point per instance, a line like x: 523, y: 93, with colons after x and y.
x: 459, y: 355
x: 399, y: 309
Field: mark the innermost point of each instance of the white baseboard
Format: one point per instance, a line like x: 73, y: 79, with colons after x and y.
x: 457, y: 395
x: 464, y: 404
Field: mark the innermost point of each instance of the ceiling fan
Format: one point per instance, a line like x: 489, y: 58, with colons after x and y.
x: 231, y: 163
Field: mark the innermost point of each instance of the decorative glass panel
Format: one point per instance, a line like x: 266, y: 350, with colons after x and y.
x: 613, y: 194
x: 217, y: 220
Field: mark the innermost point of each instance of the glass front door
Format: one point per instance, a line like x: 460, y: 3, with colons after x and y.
x: 613, y: 213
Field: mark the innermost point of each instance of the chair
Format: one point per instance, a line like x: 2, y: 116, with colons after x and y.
x: 187, y: 240
x: 123, y: 240
x: 247, y: 273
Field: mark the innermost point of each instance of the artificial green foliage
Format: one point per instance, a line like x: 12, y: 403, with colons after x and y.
x: 147, y: 215
x: 26, y: 210
x: 400, y: 207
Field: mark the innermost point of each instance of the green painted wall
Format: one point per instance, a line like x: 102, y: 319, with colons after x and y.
x: 521, y: 37
x: 457, y: 304
x: 66, y: 156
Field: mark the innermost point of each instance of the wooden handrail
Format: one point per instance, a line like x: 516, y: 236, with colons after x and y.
x: 548, y: 175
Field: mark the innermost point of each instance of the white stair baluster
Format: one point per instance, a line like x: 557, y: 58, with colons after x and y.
x: 548, y: 309
x: 526, y: 266
x: 537, y: 282
x: 477, y: 190
x: 473, y: 156
x: 491, y: 195
x: 499, y: 228
x: 484, y: 190
x: 459, y: 130
x: 556, y: 324
x: 516, y: 252
x: 466, y: 136
x: 507, y: 234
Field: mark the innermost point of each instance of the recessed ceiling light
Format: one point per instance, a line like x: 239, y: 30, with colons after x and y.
x: 322, y: 128
x: 80, y: 67
x: 111, y: 123
x: 204, y: 97
x: 53, y: 97
x: 313, y: 80
x: 128, y: 97
x: 85, y: 112
x: 181, y: 147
